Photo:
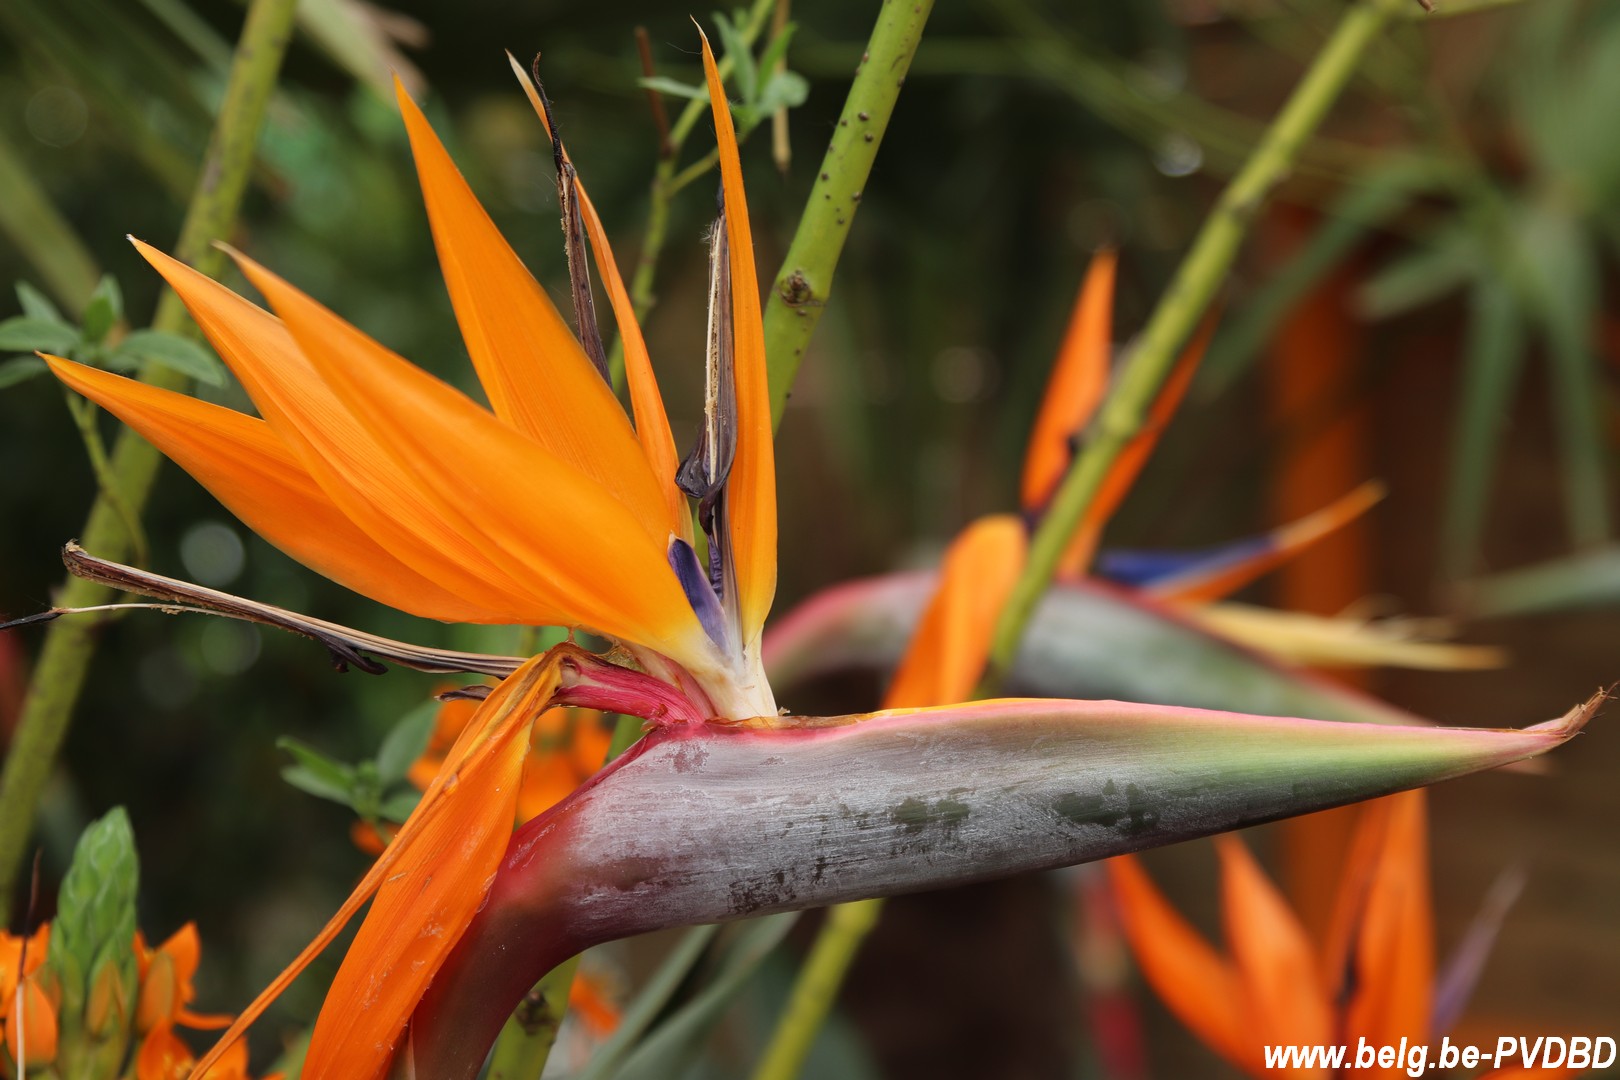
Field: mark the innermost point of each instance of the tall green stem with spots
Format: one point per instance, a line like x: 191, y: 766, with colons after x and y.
x: 804, y: 282
x: 1183, y: 304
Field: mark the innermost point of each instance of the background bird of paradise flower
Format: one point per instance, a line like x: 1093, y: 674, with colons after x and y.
x: 1425, y: 306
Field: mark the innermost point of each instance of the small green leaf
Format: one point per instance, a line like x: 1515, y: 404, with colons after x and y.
x: 398, y: 806
x: 784, y: 90
x: 172, y: 351
x: 318, y: 784
x: 405, y: 743
x: 674, y: 88
x: 742, y: 58
x: 20, y: 369
x: 24, y: 333
x: 105, y: 308
x: 317, y: 774
x: 36, y: 305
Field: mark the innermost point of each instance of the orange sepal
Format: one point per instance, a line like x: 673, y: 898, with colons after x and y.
x: 1201, y: 988
x: 1079, y: 377
x: 1273, y: 955
x: 1202, y: 586
x: 1393, y: 982
x: 646, y: 403
x: 947, y: 652
x: 337, y: 451
x: 751, y: 489
x: 536, y: 374
x: 434, y: 874
x: 20, y: 955
x: 1117, y: 484
x: 574, y: 549
x: 33, y: 1030
x: 245, y: 466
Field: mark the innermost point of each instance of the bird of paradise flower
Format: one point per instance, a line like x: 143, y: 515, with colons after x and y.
x: 553, y: 507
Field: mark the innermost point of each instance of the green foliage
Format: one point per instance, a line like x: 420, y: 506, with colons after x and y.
x: 42, y: 328
x: 376, y: 789
x: 763, y: 89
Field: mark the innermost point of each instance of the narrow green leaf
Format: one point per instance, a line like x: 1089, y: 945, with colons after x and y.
x: 669, y: 1048
x: 649, y: 1002
x: 673, y: 87
x: 24, y: 333
x: 318, y: 784
x: 172, y: 351
x: 36, y: 305
x: 1444, y: 263
x: 105, y: 308
x: 318, y: 774
x: 20, y: 369
x: 1494, y: 354
x: 1586, y: 580
x: 405, y: 742
x: 1566, y: 290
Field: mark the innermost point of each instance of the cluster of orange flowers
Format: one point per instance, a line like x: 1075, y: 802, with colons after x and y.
x: 31, y: 1011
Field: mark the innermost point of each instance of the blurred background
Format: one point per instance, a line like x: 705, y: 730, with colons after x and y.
x: 1428, y: 302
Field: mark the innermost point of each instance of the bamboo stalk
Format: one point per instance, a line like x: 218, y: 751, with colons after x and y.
x: 64, y: 659
x: 805, y: 280
x: 1182, y: 306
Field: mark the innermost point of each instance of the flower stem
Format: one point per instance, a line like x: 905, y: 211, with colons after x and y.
x: 65, y: 657
x: 1183, y: 304
x: 1179, y: 310
x: 802, y: 286
x: 816, y: 987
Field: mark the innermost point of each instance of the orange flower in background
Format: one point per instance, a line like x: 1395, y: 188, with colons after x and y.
x: 165, y: 1056
x: 27, y: 1010
x: 166, y: 990
x: 566, y: 747
x: 1371, y: 979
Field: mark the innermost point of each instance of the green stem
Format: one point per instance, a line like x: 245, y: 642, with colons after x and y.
x: 841, y: 937
x: 43, y: 235
x: 802, y: 286
x: 667, y: 182
x: 526, y: 1041
x: 65, y: 657
x: 1179, y: 310
x: 84, y: 418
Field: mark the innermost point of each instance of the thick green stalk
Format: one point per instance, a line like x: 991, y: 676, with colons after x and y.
x: 816, y: 987
x: 803, y: 284
x: 65, y: 657
x: 791, y: 313
x: 1183, y: 304
x: 1179, y: 310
